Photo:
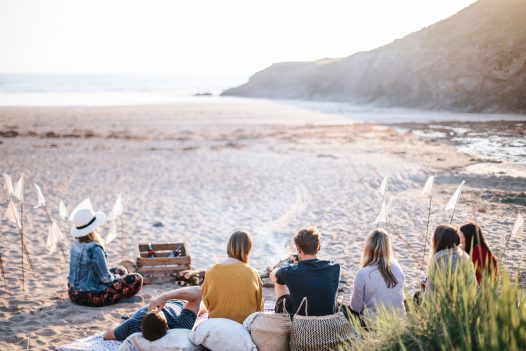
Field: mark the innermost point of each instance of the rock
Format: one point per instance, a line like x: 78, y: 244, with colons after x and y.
x: 473, y: 61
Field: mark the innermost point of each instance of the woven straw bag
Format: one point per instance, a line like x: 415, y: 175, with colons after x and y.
x: 271, y: 331
x: 319, y: 333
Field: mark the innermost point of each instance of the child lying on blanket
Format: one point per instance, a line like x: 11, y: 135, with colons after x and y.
x: 165, y: 312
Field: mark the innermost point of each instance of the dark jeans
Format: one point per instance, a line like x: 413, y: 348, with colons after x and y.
x: 127, y: 285
x: 288, y: 304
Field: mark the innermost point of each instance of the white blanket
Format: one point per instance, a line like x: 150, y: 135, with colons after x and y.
x: 91, y: 343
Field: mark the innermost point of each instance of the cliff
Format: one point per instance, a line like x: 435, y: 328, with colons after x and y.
x: 473, y: 61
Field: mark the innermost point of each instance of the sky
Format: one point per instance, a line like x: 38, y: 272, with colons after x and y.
x: 198, y: 37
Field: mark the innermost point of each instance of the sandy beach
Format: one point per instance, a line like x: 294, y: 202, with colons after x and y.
x: 198, y: 171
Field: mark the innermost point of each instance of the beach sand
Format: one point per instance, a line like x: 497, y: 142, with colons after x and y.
x: 204, y: 170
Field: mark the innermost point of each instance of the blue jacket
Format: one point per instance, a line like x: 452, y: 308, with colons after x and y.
x: 88, y: 267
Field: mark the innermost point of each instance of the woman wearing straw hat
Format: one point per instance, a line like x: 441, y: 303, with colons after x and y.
x: 91, y: 282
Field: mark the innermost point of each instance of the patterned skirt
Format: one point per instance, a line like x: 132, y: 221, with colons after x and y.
x: 127, y: 285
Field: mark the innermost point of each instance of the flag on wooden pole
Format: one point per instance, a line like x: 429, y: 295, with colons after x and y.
x: 518, y: 226
x: 117, y: 209
x: 52, y: 238
x: 115, y: 213
x: 428, y: 187
x: 63, y: 211
x: 8, y: 183
x: 383, y: 186
x: 382, y: 216
x: 19, y: 189
x: 85, y: 204
x: 427, y: 190
x: 112, y: 234
x: 518, y: 229
x: 12, y: 214
x: 452, y: 203
x: 40, y: 196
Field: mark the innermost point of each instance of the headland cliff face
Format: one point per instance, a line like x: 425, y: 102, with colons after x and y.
x: 473, y: 61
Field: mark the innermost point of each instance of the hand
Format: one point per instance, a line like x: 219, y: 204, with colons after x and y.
x: 157, y: 304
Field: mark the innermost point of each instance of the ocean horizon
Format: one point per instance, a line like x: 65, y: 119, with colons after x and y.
x: 42, y: 89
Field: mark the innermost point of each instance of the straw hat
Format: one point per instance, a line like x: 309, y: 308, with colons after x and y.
x: 86, y: 221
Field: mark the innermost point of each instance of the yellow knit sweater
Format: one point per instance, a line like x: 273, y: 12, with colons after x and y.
x: 232, y: 291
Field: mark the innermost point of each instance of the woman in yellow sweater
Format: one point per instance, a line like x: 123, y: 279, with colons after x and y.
x: 233, y: 289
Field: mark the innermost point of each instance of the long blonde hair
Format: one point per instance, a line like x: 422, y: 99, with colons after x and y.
x: 378, y: 251
x: 239, y: 246
x: 94, y: 236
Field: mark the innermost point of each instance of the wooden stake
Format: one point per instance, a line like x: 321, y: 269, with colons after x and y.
x: 123, y: 245
x: 453, y: 214
x: 59, y: 242
x: 427, y: 231
x: 3, y: 272
x: 22, y: 246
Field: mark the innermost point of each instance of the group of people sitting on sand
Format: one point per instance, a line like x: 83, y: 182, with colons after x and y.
x: 232, y: 289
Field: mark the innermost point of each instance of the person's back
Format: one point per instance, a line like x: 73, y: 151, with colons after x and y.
x: 82, y: 276
x: 315, y: 279
x: 484, y: 262
x: 371, y: 291
x: 380, y: 281
x: 232, y: 291
x: 91, y: 282
x: 474, y: 243
x: 450, y: 266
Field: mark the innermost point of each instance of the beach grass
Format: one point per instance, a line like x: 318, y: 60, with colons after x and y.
x: 492, y: 317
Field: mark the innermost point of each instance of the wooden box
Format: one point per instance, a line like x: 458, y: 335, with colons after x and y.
x: 162, y: 268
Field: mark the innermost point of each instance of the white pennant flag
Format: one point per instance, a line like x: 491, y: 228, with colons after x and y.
x: 456, y: 196
x: 19, y: 189
x: 8, y: 183
x: 54, y: 236
x: 40, y: 196
x: 383, y: 186
x: 382, y: 216
x: 62, y: 211
x: 117, y: 209
x: 112, y: 234
x: 428, y: 187
x: 86, y: 204
x: 518, y: 226
x: 12, y: 214
x: 503, y: 239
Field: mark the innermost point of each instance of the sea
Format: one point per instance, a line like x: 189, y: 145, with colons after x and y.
x: 108, y: 89
x: 473, y: 133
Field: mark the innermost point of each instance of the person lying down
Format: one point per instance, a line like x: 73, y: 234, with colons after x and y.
x: 168, y: 311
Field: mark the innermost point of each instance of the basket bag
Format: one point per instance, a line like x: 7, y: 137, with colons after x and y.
x: 319, y: 333
x: 270, y: 331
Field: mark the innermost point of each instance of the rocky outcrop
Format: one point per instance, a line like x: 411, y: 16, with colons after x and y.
x: 472, y: 61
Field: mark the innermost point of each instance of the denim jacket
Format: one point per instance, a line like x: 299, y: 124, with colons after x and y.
x: 88, y: 267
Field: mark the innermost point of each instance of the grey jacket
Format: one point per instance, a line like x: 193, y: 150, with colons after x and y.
x: 458, y: 260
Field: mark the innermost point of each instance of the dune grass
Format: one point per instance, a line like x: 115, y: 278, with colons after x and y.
x: 459, y: 317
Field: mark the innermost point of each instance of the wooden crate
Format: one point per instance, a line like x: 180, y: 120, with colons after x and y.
x: 162, y: 269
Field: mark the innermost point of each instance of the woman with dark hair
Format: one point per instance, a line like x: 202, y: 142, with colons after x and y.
x: 473, y: 242
x: 448, y: 260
